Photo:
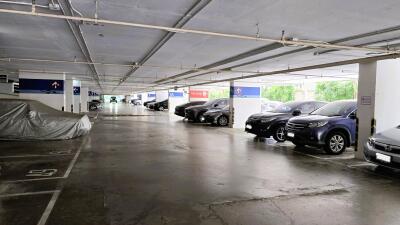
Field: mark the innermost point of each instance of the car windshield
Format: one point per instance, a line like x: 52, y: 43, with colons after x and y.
x: 341, y: 108
x: 212, y: 102
x: 287, y: 107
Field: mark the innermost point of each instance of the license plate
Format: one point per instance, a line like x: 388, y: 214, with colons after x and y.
x: 248, y: 126
x: 382, y: 157
x: 290, y: 134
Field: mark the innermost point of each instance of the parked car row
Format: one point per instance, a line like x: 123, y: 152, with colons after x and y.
x: 157, y: 106
x: 214, y: 111
x: 95, y: 105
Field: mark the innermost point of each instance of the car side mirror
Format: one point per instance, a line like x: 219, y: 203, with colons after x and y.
x: 353, y: 116
x: 296, y: 112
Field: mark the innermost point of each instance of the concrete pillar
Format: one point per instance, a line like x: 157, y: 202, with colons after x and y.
x: 161, y: 95
x: 84, y: 99
x: 68, y: 95
x: 46, y: 88
x: 365, y: 104
x: 177, y: 97
x: 244, y: 101
x: 77, y: 96
x: 378, y: 92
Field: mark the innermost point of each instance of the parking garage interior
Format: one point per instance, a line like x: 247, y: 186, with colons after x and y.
x: 208, y: 112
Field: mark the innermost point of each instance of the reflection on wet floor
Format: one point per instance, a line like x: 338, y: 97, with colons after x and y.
x: 163, y: 170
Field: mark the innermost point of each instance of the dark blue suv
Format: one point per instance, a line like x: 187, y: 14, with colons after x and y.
x: 332, y: 126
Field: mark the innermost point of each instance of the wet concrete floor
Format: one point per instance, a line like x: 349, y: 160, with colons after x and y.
x: 158, y: 169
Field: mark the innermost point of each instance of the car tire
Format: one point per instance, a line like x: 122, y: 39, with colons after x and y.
x: 222, y: 121
x: 335, y: 143
x: 279, y: 133
x: 161, y: 108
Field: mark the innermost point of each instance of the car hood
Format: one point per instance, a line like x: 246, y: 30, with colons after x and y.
x: 391, y: 136
x: 312, y: 118
x: 268, y: 115
x: 198, y: 107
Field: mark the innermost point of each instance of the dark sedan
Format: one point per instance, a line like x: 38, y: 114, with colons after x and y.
x: 94, y: 105
x: 180, y: 109
x: 384, y: 148
x: 148, y: 102
x: 333, y: 127
x: 195, y: 113
x: 273, y: 123
x: 217, y: 116
x: 159, y: 106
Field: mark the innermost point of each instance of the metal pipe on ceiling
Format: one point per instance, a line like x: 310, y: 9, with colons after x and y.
x: 123, y: 65
x: 24, y: 3
x: 297, y: 69
x: 309, y: 43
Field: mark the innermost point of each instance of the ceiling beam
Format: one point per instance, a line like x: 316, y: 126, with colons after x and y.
x: 235, y: 58
x: 196, y: 8
x: 66, y: 9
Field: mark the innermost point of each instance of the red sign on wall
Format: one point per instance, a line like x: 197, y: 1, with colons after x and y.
x: 198, y: 94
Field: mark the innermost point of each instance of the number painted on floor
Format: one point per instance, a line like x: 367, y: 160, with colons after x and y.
x: 41, y: 173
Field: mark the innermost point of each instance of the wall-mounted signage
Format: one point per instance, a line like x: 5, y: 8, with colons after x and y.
x: 39, y: 86
x: 175, y: 94
x: 245, y: 92
x: 198, y: 94
x: 77, y: 90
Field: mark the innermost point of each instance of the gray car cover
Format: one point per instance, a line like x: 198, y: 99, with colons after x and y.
x: 31, y: 120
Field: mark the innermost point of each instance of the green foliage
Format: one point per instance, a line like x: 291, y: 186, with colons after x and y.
x: 218, y: 93
x: 335, y: 90
x: 278, y: 93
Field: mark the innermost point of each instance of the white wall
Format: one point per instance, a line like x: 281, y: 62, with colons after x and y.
x: 387, y: 95
x: 84, y: 99
x: 68, y: 95
x: 76, y: 98
x: 53, y: 100
x: 244, y: 107
x: 161, y: 95
x: 7, y: 88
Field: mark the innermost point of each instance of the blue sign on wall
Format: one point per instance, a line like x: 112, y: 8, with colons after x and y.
x: 77, y: 90
x: 151, y: 95
x: 39, y: 86
x: 175, y: 94
x: 92, y: 93
x: 245, y: 92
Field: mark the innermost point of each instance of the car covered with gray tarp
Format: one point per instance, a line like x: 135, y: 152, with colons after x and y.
x: 22, y: 119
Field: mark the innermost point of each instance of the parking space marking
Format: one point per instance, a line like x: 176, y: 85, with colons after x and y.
x: 28, y: 193
x: 49, y: 208
x: 33, y: 156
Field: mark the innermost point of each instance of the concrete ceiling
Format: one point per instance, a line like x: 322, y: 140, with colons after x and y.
x: 46, y: 38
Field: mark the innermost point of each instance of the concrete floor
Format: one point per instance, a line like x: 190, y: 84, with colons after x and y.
x: 158, y: 169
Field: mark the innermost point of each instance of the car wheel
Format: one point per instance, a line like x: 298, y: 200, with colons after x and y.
x: 222, y: 121
x: 336, y: 143
x: 161, y: 108
x: 279, y: 134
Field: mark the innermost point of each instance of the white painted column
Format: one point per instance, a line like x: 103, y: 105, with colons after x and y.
x: 177, y: 97
x: 244, y: 101
x: 365, y: 104
x: 84, y: 99
x: 77, y: 96
x: 68, y: 95
x: 387, y: 94
x: 46, y: 88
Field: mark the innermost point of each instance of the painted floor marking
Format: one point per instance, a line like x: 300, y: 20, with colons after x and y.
x: 49, y: 208
x: 27, y: 193
x: 32, y: 156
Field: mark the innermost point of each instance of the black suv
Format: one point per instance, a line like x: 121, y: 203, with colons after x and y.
x: 195, y: 113
x: 113, y: 99
x: 273, y: 123
x: 333, y: 126
x: 159, y: 106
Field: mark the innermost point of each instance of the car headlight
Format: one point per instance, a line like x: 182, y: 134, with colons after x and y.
x: 267, y: 120
x: 371, y: 141
x: 318, y: 124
